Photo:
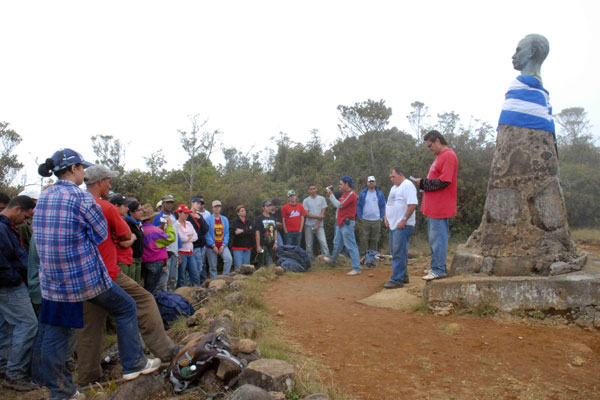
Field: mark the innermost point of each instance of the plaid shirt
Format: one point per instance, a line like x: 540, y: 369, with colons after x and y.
x: 67, y: 226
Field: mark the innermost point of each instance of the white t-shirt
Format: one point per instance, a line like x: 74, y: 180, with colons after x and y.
x: 370, y: 210
x: 315, y: 207
x: 398, y: 200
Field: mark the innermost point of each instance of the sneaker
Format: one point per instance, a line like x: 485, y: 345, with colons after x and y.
x: 22, y: 384
x: 393, y: 285
x: 353, y: 272
x: 78, y: 396
x: 426, y: 271
x: 431, y: 276
x: 151, y: 365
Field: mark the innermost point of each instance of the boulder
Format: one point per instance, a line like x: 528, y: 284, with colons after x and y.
x: 218, y: 284
x: 210, y: 382
x: 238, y: 285
x: 247, y: 269
x: 250, y: 329
x: 222, y: 324
x: 144, y: 387
x: 247, y: 392
x: 249, y: 357
x: 187, y: 293
x: 278, y: 270
x: 227, y: 370
x: 246, y: 346
x: 202, y: 313
x: 270, y: 374
x: 234, y: 298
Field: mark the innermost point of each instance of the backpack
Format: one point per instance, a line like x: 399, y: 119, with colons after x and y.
x: 172, y: 306
x: 293, y: 258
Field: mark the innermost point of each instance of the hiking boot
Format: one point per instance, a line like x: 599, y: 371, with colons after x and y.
x: 151, y: 365
x: 431, y: 276
x: 393, y: 285
x: 21, y: 384
x: 406, y: 280
x: 353, y: 272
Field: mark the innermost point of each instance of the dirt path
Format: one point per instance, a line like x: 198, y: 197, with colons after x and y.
x: 377, y: 353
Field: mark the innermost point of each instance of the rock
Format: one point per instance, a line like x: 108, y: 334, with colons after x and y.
x: 247, y: 392
x: 202, y: 313
x: 187, y: 293
x: 250, y: 329
x: 247, y: 269
x: 222, y: 323
x: 234, y: 298
x: 226, y: 278
x: 270, y: 374
x: 442, y: 308
x: 227, y: 314
x: 278, y: 270
x: 210, y: 382
x: 144, y: 387
x: 238, y: 285
x: 577, y: 361
x: 316, y: 396
x: 249, y: 357
x: 193, y: 320
x: 280, y: 313
x: 227, y: 370
x: 218, y: 284
x: 277, y: 395
x: 246, y: 346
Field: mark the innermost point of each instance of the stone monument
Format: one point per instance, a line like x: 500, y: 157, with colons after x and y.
x: 524, y: 230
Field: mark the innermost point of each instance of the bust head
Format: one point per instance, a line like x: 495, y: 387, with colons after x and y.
x: 531, y: 52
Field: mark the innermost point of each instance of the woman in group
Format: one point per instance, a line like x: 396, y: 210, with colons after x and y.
x: 67, y: 227
x: 243, y: 238
x: 187, y: 235
x: 154, y: 256
x: 133, y: 219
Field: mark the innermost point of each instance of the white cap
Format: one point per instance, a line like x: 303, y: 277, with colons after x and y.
x: 33, y: 192
x: 371, y: 178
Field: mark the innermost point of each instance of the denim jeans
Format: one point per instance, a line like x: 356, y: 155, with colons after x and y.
x: 399, y: 241
x: 344, y: 237
x: 293, y: 238
x: 54, y: 372
x: 279, y: 238
x: 188, y: 264
x: 18, y: 329
x: 152, y: 274
x: 438, y: 242
x: 309, y: 237
x: 241, y: 257
x: 171, y: 281
x: 199, y: 253
x: 212, y: 261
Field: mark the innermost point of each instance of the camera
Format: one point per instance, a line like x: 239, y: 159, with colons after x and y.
x: 330, y: 187
x: 163, y: 220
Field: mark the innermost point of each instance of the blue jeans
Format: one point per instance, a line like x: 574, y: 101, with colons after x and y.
x: 212, y: 262
x: 54, y: 372
x: 399, y: 241
x: 241, y: 257
x: 309, y: 238
x: 438, y: 242
x: 293, y: 238
x: 173, y: 264
x: 344, y: 237
x: 18, y: 329
x: 152, y: 274
x: 199, y: 253
x: 279, y: 239
x: 188, y: 262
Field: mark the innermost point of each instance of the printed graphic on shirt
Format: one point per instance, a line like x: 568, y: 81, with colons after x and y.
x: 294, y: 213
x: 219, y: 233
x: 269, y: 231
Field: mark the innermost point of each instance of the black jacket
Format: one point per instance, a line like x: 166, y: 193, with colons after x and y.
x: 201, y: 227
x: 13, y: 257
x: 138, y: 245
x: 244, y: 239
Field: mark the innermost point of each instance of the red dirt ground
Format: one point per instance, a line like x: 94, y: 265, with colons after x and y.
x: 377, y: 353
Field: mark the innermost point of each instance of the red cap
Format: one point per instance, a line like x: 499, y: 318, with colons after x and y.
x: 183, y: 208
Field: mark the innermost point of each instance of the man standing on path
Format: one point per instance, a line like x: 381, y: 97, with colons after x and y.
x: 169, y: 278
x: 266, y: 234
x: 315, y: 207
x: 400, y: 218
x: 370, y: 211
x: 344, y: 224
x: 439, y: 200
x: 293, y: 214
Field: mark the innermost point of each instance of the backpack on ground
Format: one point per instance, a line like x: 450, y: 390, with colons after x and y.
x: 172, y: 306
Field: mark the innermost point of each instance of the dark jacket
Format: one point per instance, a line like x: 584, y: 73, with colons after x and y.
x: 13, y: 257
x: 245, y: 239
x: 138, y: 245
x: 201, y: 227
x: 361, y: 202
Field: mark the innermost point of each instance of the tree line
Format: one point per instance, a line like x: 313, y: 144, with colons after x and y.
x: 366, y: 145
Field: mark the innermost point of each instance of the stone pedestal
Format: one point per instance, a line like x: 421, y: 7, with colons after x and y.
x: 524, y: 230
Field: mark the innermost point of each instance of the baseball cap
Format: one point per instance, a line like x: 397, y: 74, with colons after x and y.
x: 167, y: 198
x: 266, y: 203
x: 159, y: 204
x: 64, y: 158
x: 198, y: 200
x: 118, y: 199
x: 371, y: 178
x: 183, y: 208
x: 291, y: 193
x: 96, y: 172
x: 348, y: 180
x: 216, y: 203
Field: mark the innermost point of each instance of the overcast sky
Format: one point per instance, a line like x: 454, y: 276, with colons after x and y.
x: 137, y: 69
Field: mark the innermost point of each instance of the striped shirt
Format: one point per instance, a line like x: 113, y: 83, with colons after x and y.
x: 67, y: 226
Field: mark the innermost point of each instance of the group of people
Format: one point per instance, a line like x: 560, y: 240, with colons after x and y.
x: 69, y: 257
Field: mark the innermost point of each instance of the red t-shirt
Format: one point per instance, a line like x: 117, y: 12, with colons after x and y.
x: 348, y: 210
x: 124, y: 254
x: 292, y: 214
x: 442, y: 203
x: 116, y: 227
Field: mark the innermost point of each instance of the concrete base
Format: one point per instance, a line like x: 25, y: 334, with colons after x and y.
x: 561, y: 292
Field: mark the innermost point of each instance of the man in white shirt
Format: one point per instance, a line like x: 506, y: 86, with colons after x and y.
x: 400, y: 218
x: 315, y: 207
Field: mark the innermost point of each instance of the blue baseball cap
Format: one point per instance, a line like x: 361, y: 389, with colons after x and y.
x: 64, y: 158
x: 348, y: 180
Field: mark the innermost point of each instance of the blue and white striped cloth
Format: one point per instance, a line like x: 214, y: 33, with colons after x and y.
x: 527, y: 104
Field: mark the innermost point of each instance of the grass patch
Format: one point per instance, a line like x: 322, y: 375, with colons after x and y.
x: 422, y: 308
x: 484, y: 311
x: 519, y: 312
x: 590, y: 234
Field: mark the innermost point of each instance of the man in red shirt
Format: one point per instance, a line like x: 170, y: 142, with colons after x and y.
x: 439, y: 200
x: 344, y: 224
x: 90, y: 339
x: 293, y: 214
